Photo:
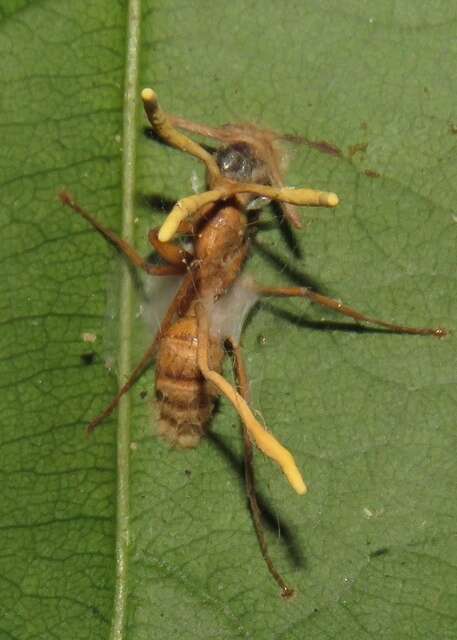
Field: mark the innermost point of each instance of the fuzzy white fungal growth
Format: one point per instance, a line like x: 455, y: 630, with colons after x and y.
x: 160, y: 291
x: 228, y: 315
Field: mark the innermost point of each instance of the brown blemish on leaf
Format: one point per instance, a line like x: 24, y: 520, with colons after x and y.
x: 320, y: 145
x: 360, y: 147
x: 325, y: 147
x: 372, y: 174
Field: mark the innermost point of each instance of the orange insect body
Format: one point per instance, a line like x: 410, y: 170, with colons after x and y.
x: 185, y: 398
x: 221, y: 248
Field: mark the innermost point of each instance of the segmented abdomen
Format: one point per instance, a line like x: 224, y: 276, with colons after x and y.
x: 186, y: 399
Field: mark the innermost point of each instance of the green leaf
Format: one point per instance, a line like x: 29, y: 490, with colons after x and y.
x: 91, y: 548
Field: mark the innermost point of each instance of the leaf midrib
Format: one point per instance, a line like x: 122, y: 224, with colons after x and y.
x: 130, y: 103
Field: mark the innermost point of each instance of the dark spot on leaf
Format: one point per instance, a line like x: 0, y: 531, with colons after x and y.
x: 382, y: 551
x: 372, y: 174
x: 88, y: 358
x: 98, y: 614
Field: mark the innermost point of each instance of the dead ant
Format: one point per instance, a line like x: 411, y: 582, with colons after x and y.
x: 188, y: 348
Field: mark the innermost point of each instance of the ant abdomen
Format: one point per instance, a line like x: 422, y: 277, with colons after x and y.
x: 185, y: 399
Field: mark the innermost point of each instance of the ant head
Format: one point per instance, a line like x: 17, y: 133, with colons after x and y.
x: 238, y: 161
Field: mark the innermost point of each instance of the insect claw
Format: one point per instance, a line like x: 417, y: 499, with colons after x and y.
x: 65, y: 197
x: 440, y: 332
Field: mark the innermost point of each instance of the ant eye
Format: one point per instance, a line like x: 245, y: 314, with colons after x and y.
x: 237, y: 161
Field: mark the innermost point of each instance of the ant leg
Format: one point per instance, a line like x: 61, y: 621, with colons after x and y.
x: 134, y: 377
x: 226, y: 133
x: 164, y: 128
x: 124, y: 247
x: 243, y: 388
x: 181, y: 300
x: 171, y: 253
x: 336, y: 305
x: 264, y: 440
x: 289, y: 211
